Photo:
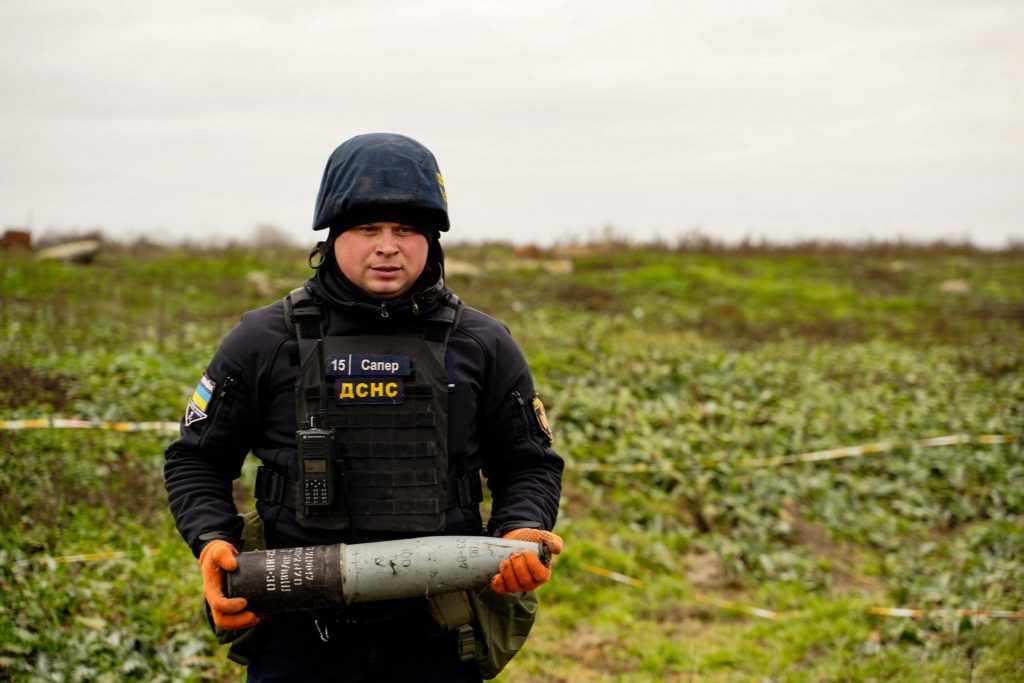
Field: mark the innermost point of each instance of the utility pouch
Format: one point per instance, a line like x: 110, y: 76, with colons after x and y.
x: 242, y: 639
x: 490, y: 627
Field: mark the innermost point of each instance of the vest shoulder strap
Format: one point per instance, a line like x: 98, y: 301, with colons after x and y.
x: 303, y: 314
x: 444, y: 320
x: 300, y: 306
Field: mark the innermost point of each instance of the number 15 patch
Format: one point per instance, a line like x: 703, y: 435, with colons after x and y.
x: 199, y: 405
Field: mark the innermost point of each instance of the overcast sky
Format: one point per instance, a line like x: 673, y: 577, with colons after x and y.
x: 801, y: 119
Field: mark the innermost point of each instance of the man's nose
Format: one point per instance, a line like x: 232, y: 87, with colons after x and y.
x: 386, y: 243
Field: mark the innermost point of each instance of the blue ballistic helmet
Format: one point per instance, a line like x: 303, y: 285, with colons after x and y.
x: 382, y: 177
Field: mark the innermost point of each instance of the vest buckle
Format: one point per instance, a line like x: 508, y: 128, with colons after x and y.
x: 269, y: 485
x: 465, y: 643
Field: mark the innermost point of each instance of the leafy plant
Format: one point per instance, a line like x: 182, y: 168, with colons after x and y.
x: 672, y: 381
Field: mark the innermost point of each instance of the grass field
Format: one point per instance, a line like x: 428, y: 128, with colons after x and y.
x: 675, y: 380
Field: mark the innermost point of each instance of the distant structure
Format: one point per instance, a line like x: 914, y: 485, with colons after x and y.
x: 17, y: 239
x: 77, y: 251
x: 81, y: 250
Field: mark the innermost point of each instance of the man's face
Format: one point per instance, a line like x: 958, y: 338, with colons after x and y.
x: 383, y: 258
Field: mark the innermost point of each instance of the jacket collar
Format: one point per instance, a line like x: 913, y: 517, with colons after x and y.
x: 331, y: 284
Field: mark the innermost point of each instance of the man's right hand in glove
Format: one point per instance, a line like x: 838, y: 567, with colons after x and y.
x: 216, y: 558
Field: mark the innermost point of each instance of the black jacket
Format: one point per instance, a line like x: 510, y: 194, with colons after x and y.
x: 492, y: 425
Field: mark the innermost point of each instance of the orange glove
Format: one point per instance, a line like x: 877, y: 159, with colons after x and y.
x: 216, y: 558
x: 525, y: 571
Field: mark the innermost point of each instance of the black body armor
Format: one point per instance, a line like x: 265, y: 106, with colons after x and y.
x: 373, y: 427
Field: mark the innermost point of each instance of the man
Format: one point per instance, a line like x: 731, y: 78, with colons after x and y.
x: 417, y: 396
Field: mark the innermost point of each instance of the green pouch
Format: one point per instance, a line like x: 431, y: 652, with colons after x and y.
x: 492, y: 627
x: 241, y: 640
x: 504, y: 621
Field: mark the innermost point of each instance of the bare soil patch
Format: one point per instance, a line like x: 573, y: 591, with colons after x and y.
x: 22, y: 386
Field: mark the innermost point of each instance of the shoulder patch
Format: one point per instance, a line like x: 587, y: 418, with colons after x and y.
x: 542, y: 418
x: 199, y: 405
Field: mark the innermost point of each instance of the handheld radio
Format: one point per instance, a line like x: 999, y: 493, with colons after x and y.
x: 316, y: 467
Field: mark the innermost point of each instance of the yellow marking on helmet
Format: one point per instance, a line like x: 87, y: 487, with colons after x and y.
x: 440, y: 186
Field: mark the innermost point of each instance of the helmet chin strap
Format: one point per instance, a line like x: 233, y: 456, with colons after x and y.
x: 319, y: 251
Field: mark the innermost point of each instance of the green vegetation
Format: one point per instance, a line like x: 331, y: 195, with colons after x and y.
x: 691, y: 364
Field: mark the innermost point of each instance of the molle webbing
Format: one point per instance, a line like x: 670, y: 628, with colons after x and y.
x: 273, y: 488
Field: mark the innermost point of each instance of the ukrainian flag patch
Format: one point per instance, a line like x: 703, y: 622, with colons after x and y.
x: 199, y: 405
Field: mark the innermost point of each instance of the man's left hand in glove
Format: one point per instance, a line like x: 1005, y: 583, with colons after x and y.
x: 526, y: 571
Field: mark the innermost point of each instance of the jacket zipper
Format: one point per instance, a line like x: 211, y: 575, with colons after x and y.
x: 383, y: 309
x: 224, y: 387
x: 526, y: 421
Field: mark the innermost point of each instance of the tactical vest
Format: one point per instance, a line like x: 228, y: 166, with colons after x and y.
x: 380, y: 404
